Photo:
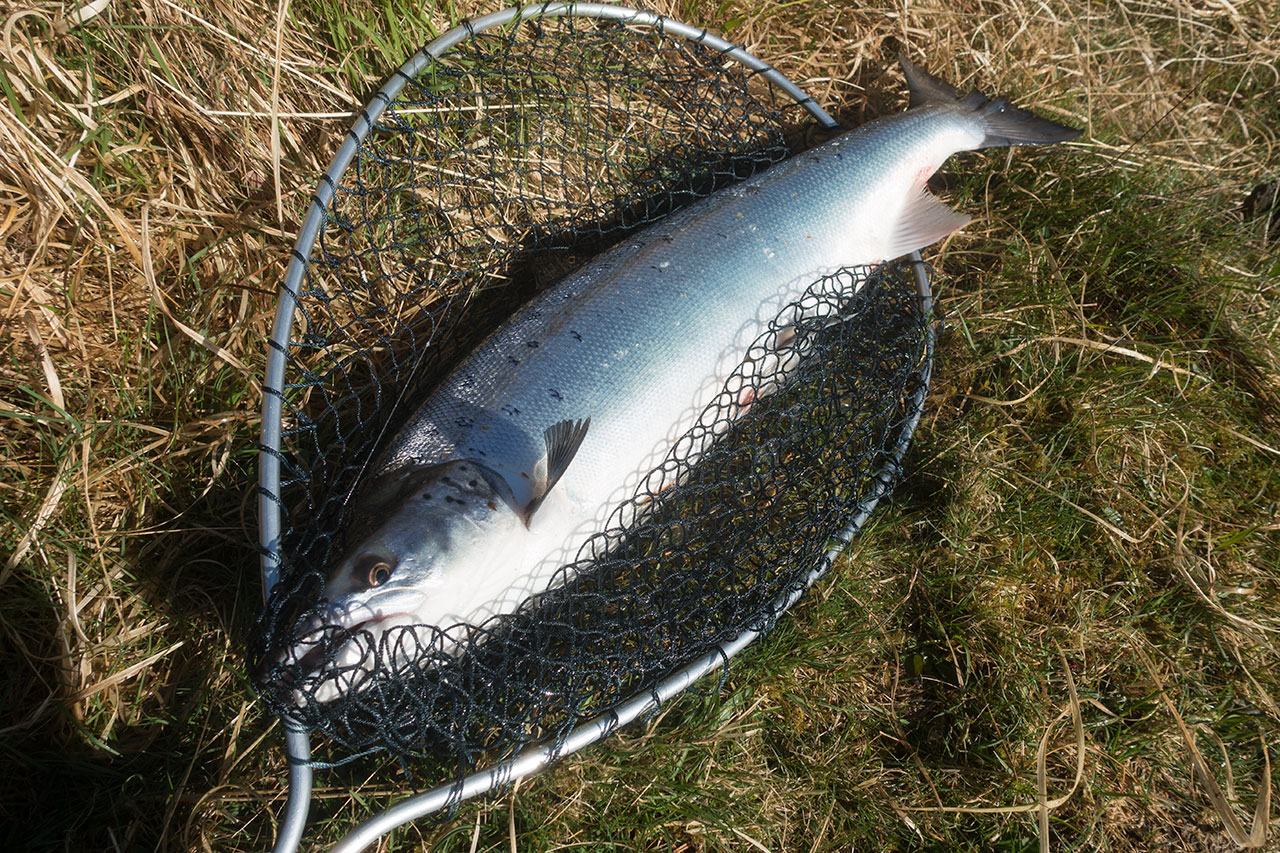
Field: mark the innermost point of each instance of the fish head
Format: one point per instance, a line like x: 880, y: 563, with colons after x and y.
x: 442, y: 516
x: 430, y: 529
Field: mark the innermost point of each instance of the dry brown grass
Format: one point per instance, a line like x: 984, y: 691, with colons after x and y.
x: 154, y: 161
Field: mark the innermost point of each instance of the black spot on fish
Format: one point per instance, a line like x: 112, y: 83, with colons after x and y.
x: 555, y: 395
x: 576, y: 336
x: 426, y: 496
x: 464, y: 422
x: 451, y: 500
x: 531, y: 344
x: 472, y: 483
x: 508, y: 409
x: 513, y: 359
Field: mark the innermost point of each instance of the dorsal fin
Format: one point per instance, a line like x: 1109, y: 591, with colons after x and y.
x: 563, y: 440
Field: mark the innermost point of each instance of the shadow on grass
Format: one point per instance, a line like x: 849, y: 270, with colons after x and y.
x: 194, y: 567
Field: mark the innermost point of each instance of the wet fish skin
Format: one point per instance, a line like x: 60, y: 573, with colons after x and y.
x: 640, y: 342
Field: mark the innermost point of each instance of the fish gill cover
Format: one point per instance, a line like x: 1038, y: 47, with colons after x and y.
x: 502, y: 164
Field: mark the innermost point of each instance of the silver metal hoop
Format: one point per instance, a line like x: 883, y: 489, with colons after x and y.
x: 537, y: 757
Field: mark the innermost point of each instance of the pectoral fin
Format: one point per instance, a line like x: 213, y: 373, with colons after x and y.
x: 563, y: 440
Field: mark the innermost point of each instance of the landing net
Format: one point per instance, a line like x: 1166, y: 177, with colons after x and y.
x: 496, y: 168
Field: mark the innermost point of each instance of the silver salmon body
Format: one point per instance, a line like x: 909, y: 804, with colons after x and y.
x: 538, y: 436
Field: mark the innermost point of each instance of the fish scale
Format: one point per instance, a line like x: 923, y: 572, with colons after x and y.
x: 561, y: 415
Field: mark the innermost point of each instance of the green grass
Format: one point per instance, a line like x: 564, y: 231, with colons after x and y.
x: 1067, y: 502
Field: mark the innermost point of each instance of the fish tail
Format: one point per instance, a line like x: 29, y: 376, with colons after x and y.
x: 1004, y: 124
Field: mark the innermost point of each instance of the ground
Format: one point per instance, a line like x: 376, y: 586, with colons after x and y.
x: 1060, y: 632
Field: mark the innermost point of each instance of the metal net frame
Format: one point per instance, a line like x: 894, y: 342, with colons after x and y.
x: 494, y: 160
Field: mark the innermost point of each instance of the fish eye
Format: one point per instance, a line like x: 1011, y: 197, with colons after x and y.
x: 371, y: 570
x: 379, y: 573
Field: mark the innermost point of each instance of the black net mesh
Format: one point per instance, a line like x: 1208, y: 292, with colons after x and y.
x: 519, y: 152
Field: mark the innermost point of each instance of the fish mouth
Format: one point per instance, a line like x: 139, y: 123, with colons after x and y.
x: 327, y: 663
x: 314, y: 658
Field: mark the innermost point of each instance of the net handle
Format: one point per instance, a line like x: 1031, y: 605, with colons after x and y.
x: 536, y: 758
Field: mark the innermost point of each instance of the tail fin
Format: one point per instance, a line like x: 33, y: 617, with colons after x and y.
x: 1005, y: 124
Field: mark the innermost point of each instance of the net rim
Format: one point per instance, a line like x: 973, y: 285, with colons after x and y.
x: 538, y: 756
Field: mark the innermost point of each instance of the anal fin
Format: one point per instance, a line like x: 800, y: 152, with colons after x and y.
x: 924, y: 220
